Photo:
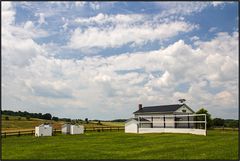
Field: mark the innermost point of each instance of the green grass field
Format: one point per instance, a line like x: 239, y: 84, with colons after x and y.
x: 118, y: 145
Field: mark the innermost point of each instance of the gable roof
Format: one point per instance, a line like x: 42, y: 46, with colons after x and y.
x: 161, y: 109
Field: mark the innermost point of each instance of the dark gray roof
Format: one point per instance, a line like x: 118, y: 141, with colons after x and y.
x: 162, y: 108
x: 136, y: 119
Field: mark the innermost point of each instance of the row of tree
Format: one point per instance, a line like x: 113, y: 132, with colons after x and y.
x: 46, y: 116
x: 217, y: 122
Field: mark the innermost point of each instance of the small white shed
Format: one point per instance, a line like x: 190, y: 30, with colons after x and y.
x: 43, y: 130
x: 66, y: 129
x: 76, y: 129
x: 131, y: 126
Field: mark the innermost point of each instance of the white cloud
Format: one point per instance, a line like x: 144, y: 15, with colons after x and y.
x: 112, y: 86
x: 92, y: 83
x: 185, y: 8
x: 18, y: 47
x: 42, y: 19
x: 119, y: 35
x: 212, y: 29
x: 80, y: 3
x: 194, y: 38
x: 94, y: 5
x: 217, y: 3
x: 114, y: 19
x: 8, y: 13
x: 182, y: 8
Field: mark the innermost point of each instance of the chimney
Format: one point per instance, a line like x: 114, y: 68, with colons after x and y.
x: 140, y: 106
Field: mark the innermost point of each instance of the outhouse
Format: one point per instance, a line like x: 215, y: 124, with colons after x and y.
x: 43, y: 130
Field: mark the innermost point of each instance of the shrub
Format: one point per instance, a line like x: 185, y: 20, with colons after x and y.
x: 28, y: 118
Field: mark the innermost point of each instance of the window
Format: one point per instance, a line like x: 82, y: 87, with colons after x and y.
x: 183, y: 110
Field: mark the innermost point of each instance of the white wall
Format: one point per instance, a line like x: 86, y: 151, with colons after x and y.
x: 74, y: 129
x: 131, y: 127
x: 43, y: 131
x: 172, y: 130
x: 66, y: 129
x: 183, y: 108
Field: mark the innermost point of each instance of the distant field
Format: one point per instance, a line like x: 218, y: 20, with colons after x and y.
x: 113, y: 123
x: 118, y: 145
x: 23, y: 124
x: 14, y: 123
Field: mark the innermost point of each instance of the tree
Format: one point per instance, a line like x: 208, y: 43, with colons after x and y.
x: 28, y: 118
x: 86, y: 120
x: 6, y: 118
x: 47, y: 116
x: 208, y: 116
x: 55, y: 118
x: 218, y: 122
x: 99, y: 122
x: 182, y: 100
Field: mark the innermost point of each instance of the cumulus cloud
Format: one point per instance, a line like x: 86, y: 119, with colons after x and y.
x: 185, y: 8
x: 117, y: 36
x: 212, y: 29
x: 215, y: 4
x: 94, y: 5
x: 8, y: 13
x: 98, y: 85
x: 110, y: 87
x: 41, y: 18
x: 113, y: 19
x: 80, y: 3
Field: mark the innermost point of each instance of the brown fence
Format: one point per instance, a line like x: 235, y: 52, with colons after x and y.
x: 55, y: 131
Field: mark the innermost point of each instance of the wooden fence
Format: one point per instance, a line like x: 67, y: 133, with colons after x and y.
x: 55, y: 131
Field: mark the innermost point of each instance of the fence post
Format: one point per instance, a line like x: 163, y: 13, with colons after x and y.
x: 5, y: 134
x: 32, y: 132
x: 18, y: 133
x: 118, y: 128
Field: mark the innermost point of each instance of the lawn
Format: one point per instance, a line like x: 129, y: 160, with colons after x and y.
x: 118, y: 145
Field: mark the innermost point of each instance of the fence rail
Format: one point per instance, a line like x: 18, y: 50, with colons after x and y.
x: 55, y: 131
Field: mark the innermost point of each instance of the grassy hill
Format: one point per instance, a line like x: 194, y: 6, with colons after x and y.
x: 21, y: 123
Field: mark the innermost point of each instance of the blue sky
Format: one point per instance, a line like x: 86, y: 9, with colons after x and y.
x: 101, y: 59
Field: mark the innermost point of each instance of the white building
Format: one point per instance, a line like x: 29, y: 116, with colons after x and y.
x: 177, y: 118
x: 43, y: 130
x: 66, y: 129
x: 76, y: 129
x: 72, y: 129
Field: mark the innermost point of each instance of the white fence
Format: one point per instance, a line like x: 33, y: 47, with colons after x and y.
x: 179, y: 123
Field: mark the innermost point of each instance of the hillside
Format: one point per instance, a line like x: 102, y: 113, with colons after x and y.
x: 21, y: 123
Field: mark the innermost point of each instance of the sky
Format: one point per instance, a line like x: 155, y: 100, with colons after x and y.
x: 99, y: 60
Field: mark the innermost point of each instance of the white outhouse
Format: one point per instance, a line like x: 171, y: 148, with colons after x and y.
x: 43, y: 130
x: 66, y: 129
x: 76, y: 129
x: 131, y: 126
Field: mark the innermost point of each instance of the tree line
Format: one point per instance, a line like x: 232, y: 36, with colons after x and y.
x: 46, y: 116
x: 218, y: 122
